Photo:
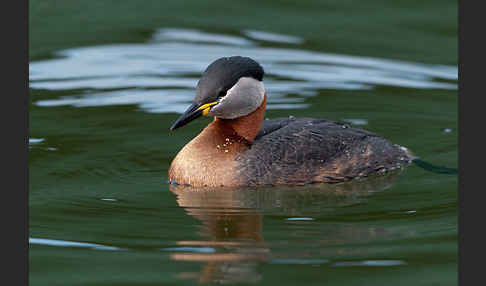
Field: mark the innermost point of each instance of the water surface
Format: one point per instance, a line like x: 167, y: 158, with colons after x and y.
x: 102, y: 213
x: 160, y: 75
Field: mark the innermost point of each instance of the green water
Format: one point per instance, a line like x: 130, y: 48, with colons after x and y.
x: 99, y: 175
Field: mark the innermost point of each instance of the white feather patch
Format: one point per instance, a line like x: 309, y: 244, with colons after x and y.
x: 242, y: 99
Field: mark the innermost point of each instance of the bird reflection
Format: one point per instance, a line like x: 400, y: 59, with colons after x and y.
x: 232, y: 222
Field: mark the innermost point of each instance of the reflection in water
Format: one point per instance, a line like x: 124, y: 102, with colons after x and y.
x: 64, y: 243
x: 35, y: 140
x: 232, y: 225
x: 272, y: 37
x: 160, y: 75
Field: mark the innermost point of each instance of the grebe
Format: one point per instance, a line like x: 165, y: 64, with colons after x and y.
x: 239, y: 148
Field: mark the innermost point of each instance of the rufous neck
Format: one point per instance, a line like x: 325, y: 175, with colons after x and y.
x: 247, y: 126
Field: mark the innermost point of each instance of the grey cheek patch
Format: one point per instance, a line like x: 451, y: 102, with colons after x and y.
x: 242, y: 99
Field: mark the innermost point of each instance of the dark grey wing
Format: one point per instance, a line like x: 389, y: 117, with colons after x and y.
x: 306, y: 150
x: 269, y: 126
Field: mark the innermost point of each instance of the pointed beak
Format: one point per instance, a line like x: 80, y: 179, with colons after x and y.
x: 193, y: 112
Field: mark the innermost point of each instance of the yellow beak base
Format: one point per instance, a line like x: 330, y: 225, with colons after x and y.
x: 206, y: 107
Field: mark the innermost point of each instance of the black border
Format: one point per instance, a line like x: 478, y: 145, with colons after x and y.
x: 14, y: 29
x: 471, y: 146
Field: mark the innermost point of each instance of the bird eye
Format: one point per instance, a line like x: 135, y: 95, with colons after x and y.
x: 221, y: 94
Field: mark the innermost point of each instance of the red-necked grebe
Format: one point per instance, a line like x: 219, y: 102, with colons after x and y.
x: 240, y: 148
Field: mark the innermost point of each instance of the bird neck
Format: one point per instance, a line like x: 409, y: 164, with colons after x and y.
x: 247, y: 126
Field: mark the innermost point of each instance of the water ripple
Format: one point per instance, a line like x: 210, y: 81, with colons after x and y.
x: 160, y: 75
x: 64, y: 243
x: 370, y: 263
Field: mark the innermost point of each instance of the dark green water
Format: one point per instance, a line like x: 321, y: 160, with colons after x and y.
x: 107, y: 80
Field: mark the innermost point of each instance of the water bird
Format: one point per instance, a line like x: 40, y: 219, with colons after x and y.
x: 241, y: 148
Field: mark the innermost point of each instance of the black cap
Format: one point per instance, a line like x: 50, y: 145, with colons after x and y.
x: 224, y: 73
